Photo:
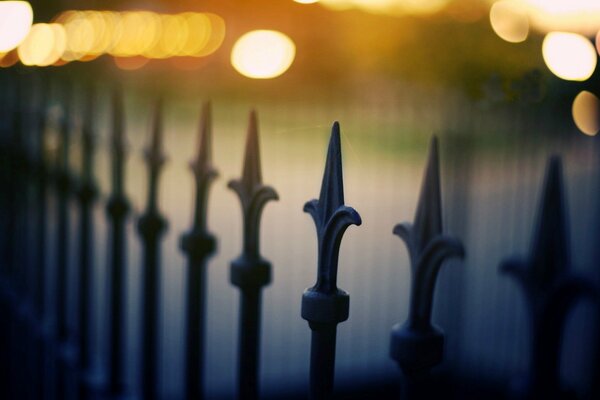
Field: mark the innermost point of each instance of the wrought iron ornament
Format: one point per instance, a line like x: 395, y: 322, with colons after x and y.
x: 117, y: 210
x: 250, y: 272
x: 325, y: 305
x: 550, y: 290
x: 87, y: 193
x: 151, y: 227
x: 418, y: 345
x: 199, y: 245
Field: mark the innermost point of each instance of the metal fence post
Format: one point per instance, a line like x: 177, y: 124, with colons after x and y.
x: 40, y: 264
x: 199, y: 245
x: 117, y: 209
x: 325, y: 305
x: 250, y: 272
x: 418, y: 345
x: 87, y: 193
x: 550, y: 290
x: 151, y: 226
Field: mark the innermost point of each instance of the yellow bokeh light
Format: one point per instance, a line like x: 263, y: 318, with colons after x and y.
x: 80, y: 36
x: 16, y: 18
x: 173, y: 36
x: 199, y: 31
x: 580, y: 16
x: 509, y: 21
x: 306, y: 1
x: 38, y: 46
x: 569, y: 56
x: 89, y: 34
x: 59, y: 46
x: 217, y: 35
x: 263, y: 54
x: 586, y: 113
x: 394, y: 7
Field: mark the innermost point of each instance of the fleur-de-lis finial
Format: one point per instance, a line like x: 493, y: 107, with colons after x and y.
x: 549, y: 288
x: 202, y: 166
x: 324, y: 306
x: 417, y: 345
x: 155, y: 157
x: 331, y: 216
x: 251, y: 191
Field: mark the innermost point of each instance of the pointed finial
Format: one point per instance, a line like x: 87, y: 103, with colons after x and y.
x: 251, y: 173
x: 428, y: 218
x: 331, y: 218
x: 118, y: 205
x: 332, y: 187
x: 550, y: 289
x: 418, y: 345
x: 154, y: 154
x: 204, y: 155
x: 252, y: 193
x: 198, y: 243
x: 117, y: 136
x: 550, y: 255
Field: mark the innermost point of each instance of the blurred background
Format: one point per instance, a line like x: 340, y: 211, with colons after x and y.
x: 503, y: 84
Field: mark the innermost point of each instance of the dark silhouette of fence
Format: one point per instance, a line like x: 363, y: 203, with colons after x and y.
x: 42, y: 360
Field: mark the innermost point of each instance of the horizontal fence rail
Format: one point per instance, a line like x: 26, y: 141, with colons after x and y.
x: 86, y: 308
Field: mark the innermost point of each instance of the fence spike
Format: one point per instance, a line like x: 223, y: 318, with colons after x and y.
x: 550, y: 290
x: 87, y: 194
x: 151, y: 226
x: 63, y: 186
x: 417, y: 345
x: 117, y: 210
x: 250, y: 272
x: 324, y: 305
x: 199, y: 245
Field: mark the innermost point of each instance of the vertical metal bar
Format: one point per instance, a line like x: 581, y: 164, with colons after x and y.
x: 194, y: 335
x: 199, y: 245
x: 324, y: 305
x: 117, y: 210
x: 250, y: 272
x: 249, y: 350
x: 322, y: 360
x: 63, y: 183
x: 151, y: 226
x: 87, y: 193
x: 39, y: 265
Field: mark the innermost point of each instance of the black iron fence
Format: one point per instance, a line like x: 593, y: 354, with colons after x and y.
x: 51, y: 339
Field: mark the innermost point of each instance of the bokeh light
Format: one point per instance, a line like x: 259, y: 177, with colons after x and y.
x: 16, y: 18
x: 131, y: 34
x: 263, y: 54
x: 510, y: 21
x: 586, y: 113
x: 43, y: 46
x: 306, y: 1
x: 581, y: 16
x: 394, y: 7
x: 569, y: 56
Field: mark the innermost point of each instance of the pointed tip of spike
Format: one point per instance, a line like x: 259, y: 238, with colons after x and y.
x: 251, y: 174
x: 157, y: 131
x: 253, y: 123
x: 428, y: 218
x: 332, y: 187
x: 335, y: 129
